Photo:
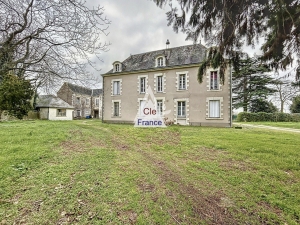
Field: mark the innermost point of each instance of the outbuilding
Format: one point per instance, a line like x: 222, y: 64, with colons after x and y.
x: 51, y: 107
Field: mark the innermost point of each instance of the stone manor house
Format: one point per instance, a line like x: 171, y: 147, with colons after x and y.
x: 172, y: 75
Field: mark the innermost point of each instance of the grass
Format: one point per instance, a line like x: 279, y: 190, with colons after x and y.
x: 294, y: 125
x: 86, y: 172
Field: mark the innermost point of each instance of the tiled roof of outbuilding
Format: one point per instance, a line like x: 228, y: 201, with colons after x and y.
x: 179, y: 56
x: 51, y: 101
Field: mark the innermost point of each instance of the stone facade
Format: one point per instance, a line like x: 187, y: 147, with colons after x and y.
x: 175, y: 87
x: 86, y: 101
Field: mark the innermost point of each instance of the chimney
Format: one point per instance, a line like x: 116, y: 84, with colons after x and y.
x: 167, y: 44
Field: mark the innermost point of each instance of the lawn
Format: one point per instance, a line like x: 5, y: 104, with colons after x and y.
x: 295, y: 125
x: 86, y: 172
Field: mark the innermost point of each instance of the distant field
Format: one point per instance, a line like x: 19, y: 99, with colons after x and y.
x: 278, y: 124
x: 86, y: 172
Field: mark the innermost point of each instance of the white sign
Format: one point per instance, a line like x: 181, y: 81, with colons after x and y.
x: 149, y: 114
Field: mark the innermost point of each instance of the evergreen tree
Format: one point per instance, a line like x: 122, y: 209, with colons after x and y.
x: 15, y: 95
x: 229, y: 24
x: 262, y: 105
x: 251, y: 84
x: 295, y: 107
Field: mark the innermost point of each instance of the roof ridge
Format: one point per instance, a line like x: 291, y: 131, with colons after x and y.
x: 176, y: 56
x: 166, y: 49
x: 76, y: 85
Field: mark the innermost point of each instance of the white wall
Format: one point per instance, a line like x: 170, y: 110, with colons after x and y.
x: 53, y: 115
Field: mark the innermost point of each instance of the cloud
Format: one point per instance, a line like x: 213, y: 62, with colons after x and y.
x: 137, y: 26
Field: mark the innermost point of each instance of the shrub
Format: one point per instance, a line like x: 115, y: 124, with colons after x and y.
x: 267, y: 117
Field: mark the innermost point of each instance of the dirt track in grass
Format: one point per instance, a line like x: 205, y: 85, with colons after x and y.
x: 211, y: 209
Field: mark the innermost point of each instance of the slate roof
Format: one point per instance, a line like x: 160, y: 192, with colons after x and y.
x: 178, y: 56
x: 83, y: 90
x: 51, y: 101
x: 96, y: 92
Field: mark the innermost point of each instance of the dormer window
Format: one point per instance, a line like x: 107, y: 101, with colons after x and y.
x: 160, y: 61
x: 117, y: 67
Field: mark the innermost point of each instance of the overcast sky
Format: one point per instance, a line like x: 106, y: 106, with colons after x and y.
x: 137, y: 26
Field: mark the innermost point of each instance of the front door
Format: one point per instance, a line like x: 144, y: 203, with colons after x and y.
x: 96, y: 114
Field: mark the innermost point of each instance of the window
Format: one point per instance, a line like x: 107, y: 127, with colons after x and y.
x: 214, y: 109
x: 116, y: 88
x: 160, y: 107
x: 182, y: 82
x: 87, y: 112
x: 117, y: 68
x: 116, y: 109
x: 142, y: 84
x: 87, y: 102
x: 142, y: 106
x: 97, y: 102
x: 214, y: 81
x: 160, y: 61
x: 181, y: 109
x: 160, y: 84
x: 78, y: 113
x: 77, y: 100
x: 61, y: 112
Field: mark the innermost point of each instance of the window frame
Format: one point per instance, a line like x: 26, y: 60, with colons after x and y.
x: 140, y: 106
x: 116, y: 113
x: 112, y: 85
x: 218, y: 112
x: 182, y: 108
x: 142, y: 88
x: 160, y: 107
x: 160, y: 61
x: 182, y: 80
x: 214, y: 81
x: 87, y: 101
x: 142, y: 85
x: 78, y: 100
x: 117, y: 91
x: 87, y: 112
x: 117, y: 67
x: 97, y: 101
x: 61, y: 114
x: 220, y: 109
x: 160, y: 83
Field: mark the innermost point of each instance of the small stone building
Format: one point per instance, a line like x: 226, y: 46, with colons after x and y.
x: 50, y: 107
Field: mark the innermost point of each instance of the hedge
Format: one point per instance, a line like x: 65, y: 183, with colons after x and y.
x: 268, y: 117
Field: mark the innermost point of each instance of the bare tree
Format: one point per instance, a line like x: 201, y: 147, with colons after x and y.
x: 48, y: 41
x: 285, y: 91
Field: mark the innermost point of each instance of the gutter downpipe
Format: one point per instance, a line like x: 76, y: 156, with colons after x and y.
x: 102, y: 105
x: 230, y: 95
